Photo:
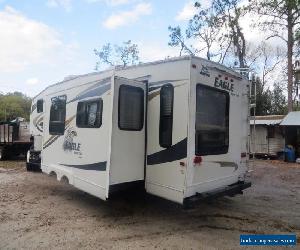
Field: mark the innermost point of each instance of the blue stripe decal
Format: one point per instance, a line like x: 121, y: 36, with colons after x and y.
x: 94, y: 91
x: 157, y: 85
x: 176, y: 152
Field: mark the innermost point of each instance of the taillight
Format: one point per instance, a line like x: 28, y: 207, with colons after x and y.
x: 197, y: 159
x: 243, y: 155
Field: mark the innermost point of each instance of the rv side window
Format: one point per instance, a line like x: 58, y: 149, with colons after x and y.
x: 166, y: 115
x: 212, y: 121
x: 89, y: 114
x: 131, y: 108
x: 39, y: 106
x: 57, y: 115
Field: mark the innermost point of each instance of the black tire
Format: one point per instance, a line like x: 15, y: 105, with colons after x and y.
x: 29, y: 167
x: 33, y: 167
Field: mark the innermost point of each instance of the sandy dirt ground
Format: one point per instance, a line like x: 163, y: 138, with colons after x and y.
x: 38, y: 212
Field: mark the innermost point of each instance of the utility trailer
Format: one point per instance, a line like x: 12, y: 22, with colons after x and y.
x: 14, y: 138
x: 178, y: 127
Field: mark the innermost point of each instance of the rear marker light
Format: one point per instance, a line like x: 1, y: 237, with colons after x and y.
x: 197, y: 159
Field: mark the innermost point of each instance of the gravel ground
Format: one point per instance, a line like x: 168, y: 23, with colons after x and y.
x: 37, y: 212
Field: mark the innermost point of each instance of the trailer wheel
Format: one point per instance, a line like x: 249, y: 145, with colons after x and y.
x: 32, y: 167
x: 29, y: 167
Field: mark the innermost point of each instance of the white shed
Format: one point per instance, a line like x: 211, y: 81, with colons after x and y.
x: 291, y: 125
x: 267, y: 137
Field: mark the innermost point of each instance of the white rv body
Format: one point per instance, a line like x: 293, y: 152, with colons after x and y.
x: 164, y: 153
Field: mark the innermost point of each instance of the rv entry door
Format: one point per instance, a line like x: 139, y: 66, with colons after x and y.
x: 128, y: 131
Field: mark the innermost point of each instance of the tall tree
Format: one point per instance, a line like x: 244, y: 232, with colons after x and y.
x: 217, y: 28
x: 205, y: 27
x: 270, y: 101
x: 282, y: 19
x: 125, y: 54
x: 177, y: 39
x: 230, y: 13
x: 297, y: 42
x: 269, y: 61
x: 279, y: 106
x: 263, y: 99
x: 14, y: 105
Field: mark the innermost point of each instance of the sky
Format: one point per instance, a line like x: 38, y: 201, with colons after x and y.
x: 43, y: 41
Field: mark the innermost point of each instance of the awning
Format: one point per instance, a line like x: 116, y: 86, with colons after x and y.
x: 292, y: 119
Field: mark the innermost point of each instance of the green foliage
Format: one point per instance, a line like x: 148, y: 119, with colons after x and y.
x: 279, y: 102
x: 297, y: 39
x: 297, y: 34
x: 128, y: 53
x: 263, y: 99
x: 206, y: 27
x: 218, y: 30
x: 270, y: 102
x: 14, y: 105
x: 282, y: 20
x: 177, y: 40
x: 229, y: 14
x: 104, y: 55
x: 280, y: 16
x: 125, y: 54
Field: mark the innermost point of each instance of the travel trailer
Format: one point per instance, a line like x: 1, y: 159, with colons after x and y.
x: 178, y: 127
x: 14, y: 138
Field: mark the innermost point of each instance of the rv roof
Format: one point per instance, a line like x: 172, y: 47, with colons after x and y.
x: 120, y: 67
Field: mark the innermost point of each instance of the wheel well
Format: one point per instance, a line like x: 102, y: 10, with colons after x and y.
x: 64, y: 179
x: 53, y: 174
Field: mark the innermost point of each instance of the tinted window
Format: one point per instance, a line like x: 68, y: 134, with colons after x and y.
x: 39, y: 105
x: 89, y: 114
x: 131, y: 108
x: 57, y: 115
x: 166, y: 115
x: 212, y: 121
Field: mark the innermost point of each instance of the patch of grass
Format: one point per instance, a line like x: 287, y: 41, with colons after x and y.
x: 12, y: 164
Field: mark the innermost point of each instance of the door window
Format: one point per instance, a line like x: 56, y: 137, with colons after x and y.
x: 57, y: 115
x: 131, y: 108
x: 166, y: 115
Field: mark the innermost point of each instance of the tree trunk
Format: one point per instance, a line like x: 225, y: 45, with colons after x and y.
x: 290, y: 44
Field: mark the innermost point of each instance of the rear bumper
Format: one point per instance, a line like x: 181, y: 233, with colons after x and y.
x: 231, y: 190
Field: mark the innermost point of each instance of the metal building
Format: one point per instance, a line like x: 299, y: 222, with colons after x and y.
x: 267, y: 136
